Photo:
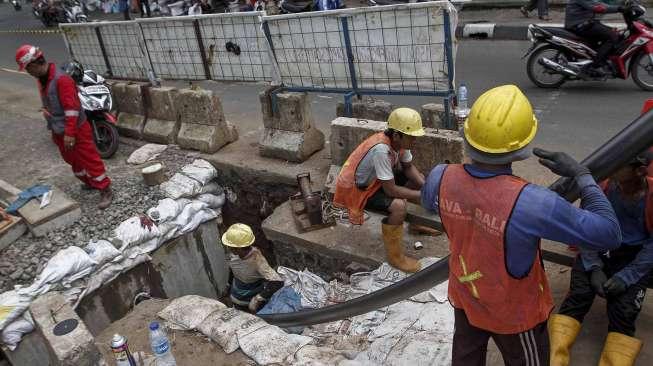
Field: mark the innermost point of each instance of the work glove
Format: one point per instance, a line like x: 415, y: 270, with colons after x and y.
x: 255, y: 303
x: 597, y: 280
x: 560, y: 163
x: 614, y: 286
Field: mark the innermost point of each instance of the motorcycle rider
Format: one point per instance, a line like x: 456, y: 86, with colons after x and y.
x: 71, y: 132
x: 582, y: 17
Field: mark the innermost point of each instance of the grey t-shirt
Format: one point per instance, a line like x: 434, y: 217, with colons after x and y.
x: 377, y: 164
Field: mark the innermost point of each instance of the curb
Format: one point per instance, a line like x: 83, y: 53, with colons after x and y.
x: 505, y: 32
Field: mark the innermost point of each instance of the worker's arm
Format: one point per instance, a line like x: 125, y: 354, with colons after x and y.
x: 384, y: 173
x: 640, y: 266
x: 600, y: 7
x: 272, y: 281
x: 431, y: 190
x: 70, y: 103
x: 412, y: 173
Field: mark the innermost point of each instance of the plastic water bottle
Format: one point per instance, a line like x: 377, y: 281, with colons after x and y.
x: 463, y: 110
x: 161, y: 346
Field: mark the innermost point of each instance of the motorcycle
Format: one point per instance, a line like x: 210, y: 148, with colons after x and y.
x: 558, y: 55
x: 17, y: 5
x: 59, y: 11
x: 97, y: 102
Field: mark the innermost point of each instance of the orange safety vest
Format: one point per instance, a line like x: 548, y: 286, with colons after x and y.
x: 648, y: 201
x: 348, y: 195
x: 474, y: 213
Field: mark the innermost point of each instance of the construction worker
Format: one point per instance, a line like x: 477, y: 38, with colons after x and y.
x: 254, y: 281
x: 71, y: 132
x: 620, y: 275
x: 379, y: 175
x: 495, y: 220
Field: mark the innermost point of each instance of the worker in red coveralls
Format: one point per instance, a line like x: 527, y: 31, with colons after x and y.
x: 67, y: 121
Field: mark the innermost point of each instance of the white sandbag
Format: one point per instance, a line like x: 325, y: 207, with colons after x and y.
x: 167, y: 209
x: 181, y: 186
x: 312, y: 289
x: 70, y: 264
x: 190, y: 311
x: 132, y: 232
x: 12, y: 304
x: 145, y: 153
x: 311, y: 355
x: 267, y: 344
x: 13, y: 333
x: 213, y: 188
x: 200, y: 170
x: 212, y: 200
x: 193, y: 214
x: 221, y: 326
x: 101, y: 251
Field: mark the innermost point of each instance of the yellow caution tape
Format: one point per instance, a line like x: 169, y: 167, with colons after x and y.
x: 30, y: 31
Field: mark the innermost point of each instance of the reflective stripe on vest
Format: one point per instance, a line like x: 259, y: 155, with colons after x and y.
x: 56, y: 116
x: 474, y: 212
x: 648, y: 202
x: 348, y: 195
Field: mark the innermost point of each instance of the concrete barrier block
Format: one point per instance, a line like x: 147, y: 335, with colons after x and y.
x: 266, y: 107
x: 128, y: 98
x: 162, y: 103
x: 368, y: 108
x: 433, y: 115
x: 437, y: 146
x: 161, y: 131
x: 294, y: 111
x: 199, y: 107
x: 131, y: 125
x: 293, y: 146
x: 205, y: 138
x: 76, y: 348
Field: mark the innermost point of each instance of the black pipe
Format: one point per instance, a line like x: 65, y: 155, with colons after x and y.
x: 604, y: 161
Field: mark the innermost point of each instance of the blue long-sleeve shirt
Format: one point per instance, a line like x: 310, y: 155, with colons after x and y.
x: 541, y: 214
x: 632, y: 219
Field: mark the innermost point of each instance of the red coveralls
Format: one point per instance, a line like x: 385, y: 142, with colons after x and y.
x: 83, y: 157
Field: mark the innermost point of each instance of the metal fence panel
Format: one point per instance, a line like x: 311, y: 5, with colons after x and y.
x: 125, y: 49
x: 173, y: 47
x: 84, y: 46
x: 243, y: 30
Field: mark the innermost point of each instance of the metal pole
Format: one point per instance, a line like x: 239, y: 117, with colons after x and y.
x: 200, y: 43
x: 104, y: 52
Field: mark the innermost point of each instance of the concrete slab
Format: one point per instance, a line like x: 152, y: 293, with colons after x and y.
x: 199, y: 107
x: 292, y: 146
x: 161, y: 131
x: 205, y: 138
x: 131, y: 125
x: 73, y: 349
x: 367, y: 108
x: 14, y: 230
x: 61, y: 212
x: 433, y: 115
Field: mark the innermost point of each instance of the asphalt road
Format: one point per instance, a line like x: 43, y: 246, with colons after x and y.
x: 575, y: 118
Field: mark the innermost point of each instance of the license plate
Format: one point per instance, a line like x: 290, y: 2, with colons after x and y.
x: 96, y: 89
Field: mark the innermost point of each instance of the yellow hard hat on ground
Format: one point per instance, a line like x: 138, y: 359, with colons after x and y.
x: 238, y: 236
x: 407, y: 121
x: 500, y: 121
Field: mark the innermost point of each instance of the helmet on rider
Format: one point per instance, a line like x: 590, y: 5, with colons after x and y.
x: 75, y: 70
x: 26, y: 54
x: 500, y: 126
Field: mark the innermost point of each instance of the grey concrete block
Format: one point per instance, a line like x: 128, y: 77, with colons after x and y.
x: 367, y: 108
x: 12, y: 232
x: 437, y: 146
x: 161, y: 131
x: 207, y: 139
x: 76, y: 348
x: 31, y: 351
x: 161, y: 104
x: 199, y: 107
x: 128, y: 98
x: 131, y: 125
x: 61, y: 212
x: 288, y: 145
x: 433, y: 115
x: 294, y: 112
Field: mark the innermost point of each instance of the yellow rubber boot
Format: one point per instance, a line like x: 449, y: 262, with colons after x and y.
x: 563, y: 331
x: 620, y: 350
x: 393, y: 241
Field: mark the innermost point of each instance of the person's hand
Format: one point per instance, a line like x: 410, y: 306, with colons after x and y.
x: 560, y: 163
x: 68, y: 142
x: 255, y: 303
x: 615, y: 286
x: 597, y: 280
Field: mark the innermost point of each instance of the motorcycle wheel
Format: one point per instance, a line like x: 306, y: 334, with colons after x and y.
x: 538, y: 73
x: 105, y: 135
x: 642, y: 71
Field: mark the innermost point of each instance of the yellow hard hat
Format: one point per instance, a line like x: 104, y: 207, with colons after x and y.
x: 238, y: 236
x: 406, y: 121
x: 501, y: 121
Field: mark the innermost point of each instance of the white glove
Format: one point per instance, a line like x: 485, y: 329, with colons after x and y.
x: 254, y: 303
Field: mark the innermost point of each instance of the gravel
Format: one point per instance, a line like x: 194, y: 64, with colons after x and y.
x: 24, y: 259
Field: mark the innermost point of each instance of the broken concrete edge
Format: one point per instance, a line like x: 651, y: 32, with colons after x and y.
x: 291, y: 146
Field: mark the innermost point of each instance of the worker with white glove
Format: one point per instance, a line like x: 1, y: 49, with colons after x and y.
x: 254, y: 281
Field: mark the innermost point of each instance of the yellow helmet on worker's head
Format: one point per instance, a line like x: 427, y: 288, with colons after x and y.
x: 407, y: 121
x: 238, y: 236
x: 501, y: 121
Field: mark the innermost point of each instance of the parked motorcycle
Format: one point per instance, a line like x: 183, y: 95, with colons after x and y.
x: 59, y: 11
x: 96, y: 100
x: 558, y: 55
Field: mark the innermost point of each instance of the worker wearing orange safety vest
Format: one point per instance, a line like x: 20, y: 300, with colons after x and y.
x: 495, y: 220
